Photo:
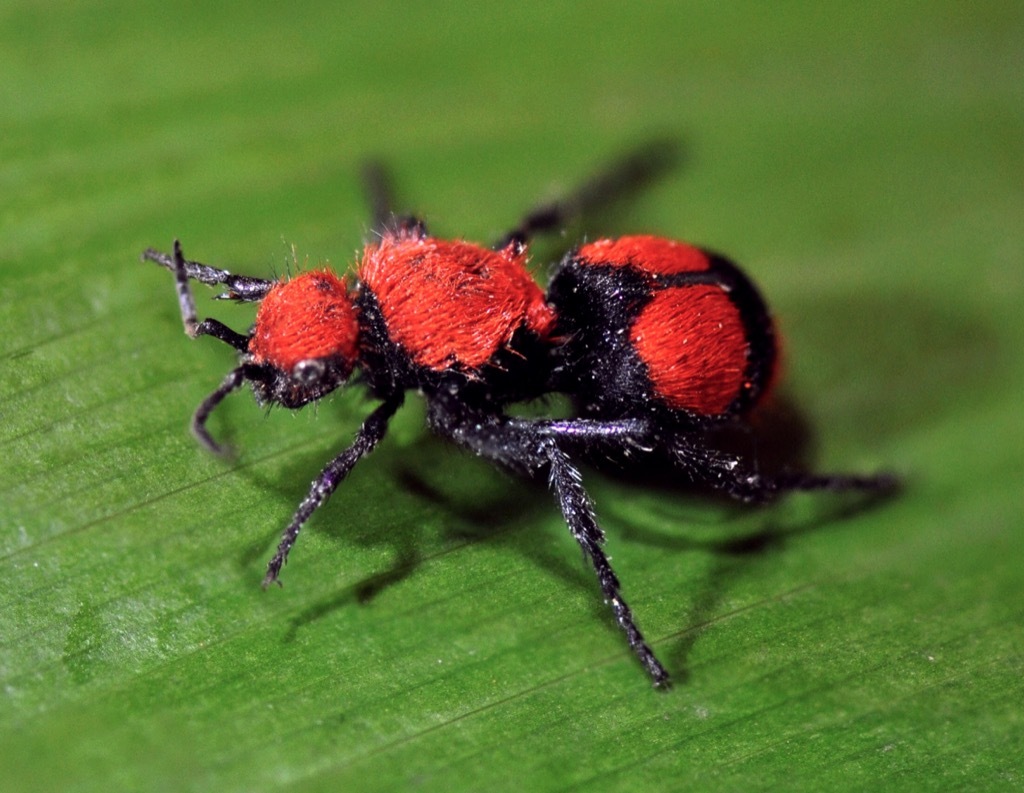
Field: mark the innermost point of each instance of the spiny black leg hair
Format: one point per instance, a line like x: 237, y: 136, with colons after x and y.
x: 183, y: 270
x: 368, y: 436
x: 704, y: 465
x: 726, y: 473
x: 626, y: 175
x: 883, y: 483
x: 578, y: 509
x: 234, y: 380
x: 242, y: 288
x: 516, y: 445
x: 527, y: 445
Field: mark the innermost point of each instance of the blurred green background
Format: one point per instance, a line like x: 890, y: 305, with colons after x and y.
x: 437, y: 629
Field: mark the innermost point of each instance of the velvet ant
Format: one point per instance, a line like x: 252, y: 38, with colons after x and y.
x: 657, y: 344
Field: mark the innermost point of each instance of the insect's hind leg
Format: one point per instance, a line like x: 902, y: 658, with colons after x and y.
x: 517, y: 445
x: 378, y: 188
x: 627, y: 174
x: 699, y: 461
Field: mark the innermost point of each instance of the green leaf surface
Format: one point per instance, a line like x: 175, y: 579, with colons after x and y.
x: 437, y: 629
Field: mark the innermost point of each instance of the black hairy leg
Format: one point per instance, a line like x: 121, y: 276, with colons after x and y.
x: 184, y: 270
x: 630, y: 172
x: 624, y: 176
x: 577, y: 508
x: 369, y: 435
x: 517, y: 445
x: 234, y: 380
x: 700, y: 462
x: 530, y: 446
x: 242, y: 288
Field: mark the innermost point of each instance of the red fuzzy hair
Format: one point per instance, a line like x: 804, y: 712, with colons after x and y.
x: 652, y: 255
x: 310, y: 316
x: 691, y: 338
x: 695, y: 347
x: 452, y: 303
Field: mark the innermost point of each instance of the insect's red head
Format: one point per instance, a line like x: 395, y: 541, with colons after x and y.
x: 308, y: 332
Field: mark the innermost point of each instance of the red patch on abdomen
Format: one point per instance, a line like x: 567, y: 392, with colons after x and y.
x: 645, y: 253
x: 695, y: 348
x: 451, y: 303
x: 309, y: 316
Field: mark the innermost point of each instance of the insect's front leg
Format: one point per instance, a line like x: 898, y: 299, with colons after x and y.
x: 369, y: 435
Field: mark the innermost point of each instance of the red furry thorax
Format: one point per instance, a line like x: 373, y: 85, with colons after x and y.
x: 452, y: 303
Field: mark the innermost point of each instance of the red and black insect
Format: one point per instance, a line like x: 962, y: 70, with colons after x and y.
x: 656, y: 342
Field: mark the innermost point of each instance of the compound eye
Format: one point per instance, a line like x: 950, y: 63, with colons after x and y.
x: 309, y: 372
